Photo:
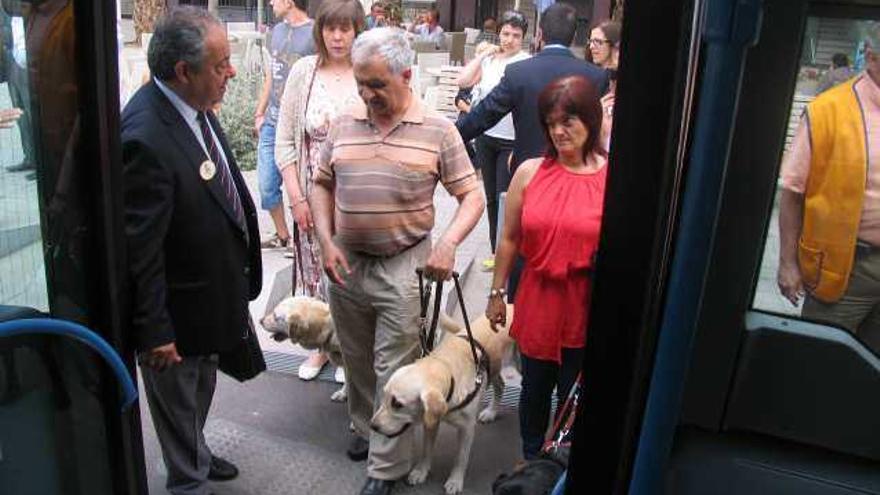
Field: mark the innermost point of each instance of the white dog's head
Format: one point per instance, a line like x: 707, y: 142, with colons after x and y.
x: 412, y: 396
x: 304, y: 320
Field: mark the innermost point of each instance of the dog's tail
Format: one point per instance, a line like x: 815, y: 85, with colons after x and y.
x: 448, y: 324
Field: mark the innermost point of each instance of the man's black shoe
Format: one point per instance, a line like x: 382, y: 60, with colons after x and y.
x: 21, y: 167
x: 358, y: 449
x: 222, y: 470
x: 377, y: 487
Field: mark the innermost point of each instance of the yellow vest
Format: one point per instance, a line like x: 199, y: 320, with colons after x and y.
x: 835, y: 191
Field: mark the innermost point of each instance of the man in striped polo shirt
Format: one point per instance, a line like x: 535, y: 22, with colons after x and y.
x: 373, y: 210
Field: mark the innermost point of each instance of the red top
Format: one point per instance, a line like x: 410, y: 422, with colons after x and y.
x: 561, y: 216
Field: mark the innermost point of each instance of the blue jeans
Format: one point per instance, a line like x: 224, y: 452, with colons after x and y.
x: 267, y: 172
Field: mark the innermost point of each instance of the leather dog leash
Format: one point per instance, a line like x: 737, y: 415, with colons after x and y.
x: 427, y: 335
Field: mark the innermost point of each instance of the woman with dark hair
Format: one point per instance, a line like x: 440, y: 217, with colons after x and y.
x: 605, y: 44
x: 318, y: 88
x: 493, y: 148
x: 605, y: 51
x: 552, y: 219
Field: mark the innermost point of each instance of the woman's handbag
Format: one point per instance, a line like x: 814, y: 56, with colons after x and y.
x: 246, y: 360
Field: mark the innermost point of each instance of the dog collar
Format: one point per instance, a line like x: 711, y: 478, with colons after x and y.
x: 484, y: 363
x: 396, y: 433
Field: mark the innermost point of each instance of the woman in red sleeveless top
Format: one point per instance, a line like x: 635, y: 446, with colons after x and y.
x: 552, y: 219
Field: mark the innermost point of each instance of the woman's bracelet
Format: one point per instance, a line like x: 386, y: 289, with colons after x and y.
x: 298, y: 201
x: 499, y: 292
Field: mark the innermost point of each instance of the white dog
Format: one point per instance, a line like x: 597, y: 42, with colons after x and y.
x: 442, y: 386
x: 306, y: 321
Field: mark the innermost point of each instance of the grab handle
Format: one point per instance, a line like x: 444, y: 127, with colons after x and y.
x: 64, y: 328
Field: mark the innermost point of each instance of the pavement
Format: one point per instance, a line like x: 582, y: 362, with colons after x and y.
x: 22, y: 270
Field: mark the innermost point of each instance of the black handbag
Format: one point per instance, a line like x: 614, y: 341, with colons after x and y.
x: 246, y: 360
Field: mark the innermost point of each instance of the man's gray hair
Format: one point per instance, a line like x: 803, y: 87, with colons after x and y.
x: 387, y: 42
x: 179, y: 35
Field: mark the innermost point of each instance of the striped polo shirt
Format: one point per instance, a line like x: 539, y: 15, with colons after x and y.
x: 384, y: 184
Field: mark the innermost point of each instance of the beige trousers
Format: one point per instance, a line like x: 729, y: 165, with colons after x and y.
x: 858, y: 310
x: 376, y: 315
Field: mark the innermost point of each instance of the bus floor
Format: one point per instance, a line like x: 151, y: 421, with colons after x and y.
x: 287, y: 437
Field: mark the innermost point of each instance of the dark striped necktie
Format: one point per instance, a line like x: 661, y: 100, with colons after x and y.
x: 223, y: 174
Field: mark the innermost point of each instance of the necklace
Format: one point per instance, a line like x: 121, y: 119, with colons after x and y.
x: 336, y: 74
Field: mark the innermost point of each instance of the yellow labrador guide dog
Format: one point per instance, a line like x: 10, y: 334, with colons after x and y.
x: 443, y: 386
x: 306, y: 321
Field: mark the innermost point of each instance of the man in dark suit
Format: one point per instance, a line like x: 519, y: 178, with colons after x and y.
x: 523, y: 81
x: 13, y: 70
x: 193, y: 243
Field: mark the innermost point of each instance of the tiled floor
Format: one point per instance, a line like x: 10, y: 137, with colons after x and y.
x: 22, y: 278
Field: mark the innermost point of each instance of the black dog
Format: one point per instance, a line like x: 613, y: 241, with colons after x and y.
x: 537, y: 477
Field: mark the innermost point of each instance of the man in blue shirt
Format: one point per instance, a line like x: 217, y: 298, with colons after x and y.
x: 290, y: 39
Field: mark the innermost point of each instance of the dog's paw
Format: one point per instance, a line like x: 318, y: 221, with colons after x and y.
x: 453, y: 485
x: 340, y: 395
x: 417, y: 476
x: 487, y: 415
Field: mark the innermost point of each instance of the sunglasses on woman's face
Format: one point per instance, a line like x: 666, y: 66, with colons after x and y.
x: 598, y: 41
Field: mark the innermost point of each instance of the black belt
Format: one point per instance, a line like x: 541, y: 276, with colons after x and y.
x: 390, y: 255
x: 865, y: 249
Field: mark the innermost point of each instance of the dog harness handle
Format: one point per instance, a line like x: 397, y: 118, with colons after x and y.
x: 426, y: 336
x: 467, y: 323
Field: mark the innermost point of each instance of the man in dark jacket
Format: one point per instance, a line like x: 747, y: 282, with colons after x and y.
x: 193, y: 243
x: 523, y: 81
x: 13, y: 70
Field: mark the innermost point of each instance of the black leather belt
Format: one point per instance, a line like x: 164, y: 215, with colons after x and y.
x: 865, y: 249
x: 390, y: 255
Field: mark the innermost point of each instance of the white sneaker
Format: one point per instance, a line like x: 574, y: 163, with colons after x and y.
x: 339, y: 374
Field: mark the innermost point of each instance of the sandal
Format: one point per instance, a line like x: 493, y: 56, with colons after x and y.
x: 312, y: 366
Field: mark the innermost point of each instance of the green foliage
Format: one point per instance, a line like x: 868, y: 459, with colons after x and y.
x: 237, y: 117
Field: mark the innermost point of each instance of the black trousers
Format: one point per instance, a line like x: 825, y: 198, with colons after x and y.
x: 539, y: 377
x: 492, y: 156
x: 19, y: 93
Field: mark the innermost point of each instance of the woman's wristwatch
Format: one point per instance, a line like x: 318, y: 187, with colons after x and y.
x: 497, y: 292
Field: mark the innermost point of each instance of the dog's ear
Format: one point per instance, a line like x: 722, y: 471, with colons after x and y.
x: 435, y: 407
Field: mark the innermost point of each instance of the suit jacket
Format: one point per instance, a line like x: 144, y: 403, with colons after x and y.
x: 193, y: 268
x: 5, y: 44
x: 518, y: 93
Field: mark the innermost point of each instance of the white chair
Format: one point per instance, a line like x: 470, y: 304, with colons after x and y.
x: 430, y: 98
x: 470, y: 35
x: 424, y: 46
x: 415, y: 81
x: 427, y: 60
x: 455, y: 43
x: 469, y: 52
x: 233, y: 27
x: 248, y: 38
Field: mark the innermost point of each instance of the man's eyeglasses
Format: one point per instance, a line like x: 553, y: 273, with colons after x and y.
x: 598, y: 42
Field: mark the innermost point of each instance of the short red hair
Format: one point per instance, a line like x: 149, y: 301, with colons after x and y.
x: 573, y: 96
